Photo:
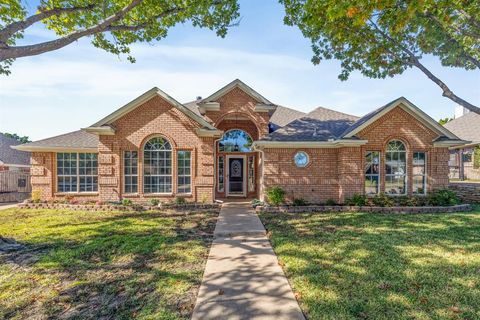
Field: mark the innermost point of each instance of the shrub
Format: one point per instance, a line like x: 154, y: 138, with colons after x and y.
x: 180, y: 200
x: 330, y: 202
x: 204, y: 198
x: 443, y: 197
x: 154, y: 202
x: 127, y: 202
x: 275, y: 196
x: 382, y: 200
x: 298, y: 202
x: 356, y: 200
x: 402, y: 201
x: 256, y: 202
x: 36, y: 195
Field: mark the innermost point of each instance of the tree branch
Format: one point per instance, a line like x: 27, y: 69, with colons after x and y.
x: 414, y: 61
x: 14, y: 27
x: 30, y: 50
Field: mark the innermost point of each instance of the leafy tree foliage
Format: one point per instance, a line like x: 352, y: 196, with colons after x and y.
x: 113, y: 25
x: 445, y: 120
x: 383, y: 38
x: 15, y: 136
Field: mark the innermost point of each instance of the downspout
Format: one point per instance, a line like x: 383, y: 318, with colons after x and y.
x: 215, y: 168
x: 260, y: 189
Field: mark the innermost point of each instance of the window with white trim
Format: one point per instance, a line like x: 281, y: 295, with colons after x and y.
x: 396, y: 168
x: 184, y: 172
x: 372, y: 172
x: 157, y: 166
x: 251, y: 173
x: 130, y: 171
x: 221, y: 168
x: 419, y: 173
x: 301, y: 159
x: 77, y: 172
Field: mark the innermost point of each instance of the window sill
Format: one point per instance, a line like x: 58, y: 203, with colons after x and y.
x: 153, y: 195
x: 76, y: 194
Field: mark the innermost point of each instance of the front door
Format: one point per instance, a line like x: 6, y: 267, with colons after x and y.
x: 236, y: 176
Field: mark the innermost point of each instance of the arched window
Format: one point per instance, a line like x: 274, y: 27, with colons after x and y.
x: 235, y: 141
x: 396, y: 168
x: 157, y: 166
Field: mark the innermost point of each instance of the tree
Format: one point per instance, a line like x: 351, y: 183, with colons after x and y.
x: 445, y: 120
x: 385, y: 37
x: 113, y: 25
x: 15, y: 136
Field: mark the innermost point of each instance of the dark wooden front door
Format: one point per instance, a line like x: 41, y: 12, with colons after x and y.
x: 235, y: 179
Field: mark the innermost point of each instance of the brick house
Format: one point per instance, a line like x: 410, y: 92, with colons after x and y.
x: 236, y: 143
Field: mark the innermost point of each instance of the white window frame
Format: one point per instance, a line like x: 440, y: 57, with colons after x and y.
x: 404, y: 175
x: 251, y: 173
x: 295, y: 160
x: 221, y: 167
x: 129, y: 175
x: 166, y: 151
x: 424, y: 175
x: 367, y: 175
x: 184, y: 175
x: 77, y: 174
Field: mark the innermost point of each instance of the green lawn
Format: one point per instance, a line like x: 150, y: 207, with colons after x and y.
x: 370, y: 266
x: 86, y: 265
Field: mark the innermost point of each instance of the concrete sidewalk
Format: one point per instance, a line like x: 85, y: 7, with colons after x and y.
x: 242, y: 278
x: 8, y: 205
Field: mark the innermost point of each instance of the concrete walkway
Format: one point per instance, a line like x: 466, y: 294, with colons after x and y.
x: 8, y: 205
x: 242, y: 278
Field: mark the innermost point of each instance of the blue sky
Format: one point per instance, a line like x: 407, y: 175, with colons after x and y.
x: 75, y: 86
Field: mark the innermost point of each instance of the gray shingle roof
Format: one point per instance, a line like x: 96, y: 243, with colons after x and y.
x: 77, y: 139
x: 321, y: 124
x: 12, y: 156
x: 283, y: 116
x: 466, y: 127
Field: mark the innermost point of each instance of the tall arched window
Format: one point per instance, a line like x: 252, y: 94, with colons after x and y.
x: 396, y: 168
x: 157, y: 166
x: 235, y: 140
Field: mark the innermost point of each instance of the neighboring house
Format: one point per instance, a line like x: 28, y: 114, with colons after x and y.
x: 236, y: 143
x: 465, y: 159
x: 14, y: 171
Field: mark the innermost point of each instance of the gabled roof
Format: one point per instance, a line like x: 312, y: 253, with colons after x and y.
x: 73, y: 141
x: 9, y: 156
x: 466, y: 127
x: 283, y: 116
x: 234, y: 84
x: 108, y: 120
x: 321, y: 124
x: 405, y: 105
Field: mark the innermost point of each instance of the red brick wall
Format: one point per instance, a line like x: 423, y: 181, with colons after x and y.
x: 338, y: 173
x: 156, y: 117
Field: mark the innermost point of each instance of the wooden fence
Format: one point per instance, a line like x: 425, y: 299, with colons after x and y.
x: 15, y: 181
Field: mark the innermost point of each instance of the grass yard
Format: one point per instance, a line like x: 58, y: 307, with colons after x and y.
x: 371, y: 266
x: 86, y: 265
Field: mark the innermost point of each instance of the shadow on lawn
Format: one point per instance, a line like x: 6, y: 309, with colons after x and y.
x: 121, y: 267
x: 366, y: 266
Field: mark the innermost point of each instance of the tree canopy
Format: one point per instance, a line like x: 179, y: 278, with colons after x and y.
x: 113, y: 25
x: 383, y: 38
x: 15, y: 136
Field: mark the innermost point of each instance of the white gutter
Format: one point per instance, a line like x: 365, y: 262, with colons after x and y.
x: 53, y: 149
x: 101, y: 131
x: 309, y: 144
x: 451, y: 143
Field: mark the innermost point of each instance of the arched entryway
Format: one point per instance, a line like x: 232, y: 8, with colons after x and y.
x: 237, y: 163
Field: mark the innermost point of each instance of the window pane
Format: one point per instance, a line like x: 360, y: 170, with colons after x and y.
x: 157, y: 166
x: 183, y: 172
x: 395, y: 168
x: 66, y: 172
x: 130, y: 165
x: 220, y: 173
x: 395, y: 184
x: 87, y: 172
x: 419, y: 172
x: 372, y: 172
x: 235, y: 141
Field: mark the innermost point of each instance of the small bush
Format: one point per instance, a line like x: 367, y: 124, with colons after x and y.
x: 256, y: 202
x: 180, y: 200
x: 443, y: 197
x: 382, y: 200
x: 298, y: 202
x: 330, y: 202
x: 36, y: 195
x: 356, y: 200
x: 275, y: 196
x: 127, y: 202
x: 204, y: 198
x: 154, y: 202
